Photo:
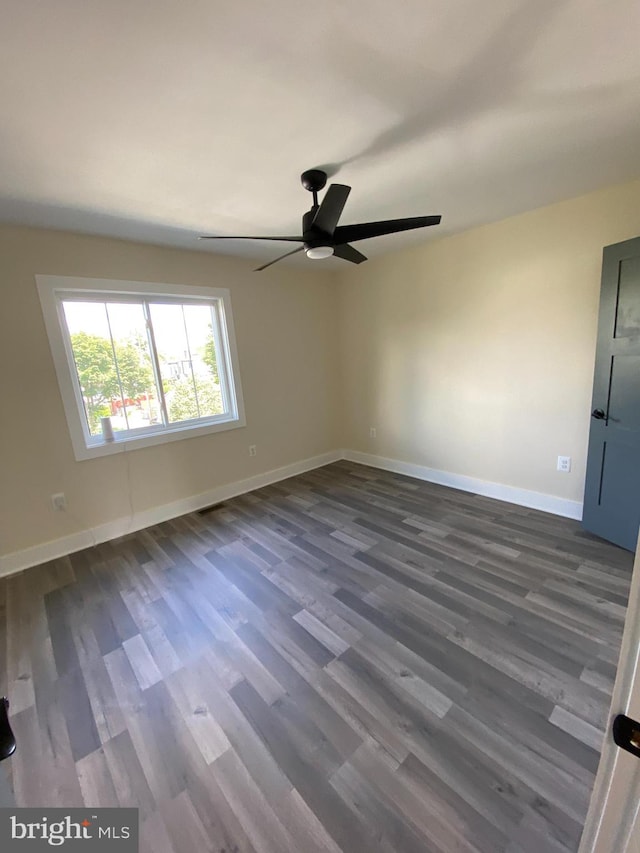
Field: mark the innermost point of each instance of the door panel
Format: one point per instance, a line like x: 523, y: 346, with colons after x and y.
x: 612, y: 489
x: 624, y: 393
x: 628, y: 307
x: 619, y: 491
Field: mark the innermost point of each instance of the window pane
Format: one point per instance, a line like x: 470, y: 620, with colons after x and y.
x: 93, y: 355
x: 138, y: 405
x: 120, y: 387
x: 204, y: 358
x: 188, y: 365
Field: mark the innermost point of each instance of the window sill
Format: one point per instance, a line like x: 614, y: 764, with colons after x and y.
x: 122, y: 445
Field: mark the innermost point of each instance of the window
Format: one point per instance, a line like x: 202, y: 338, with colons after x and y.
x: 141, y: 362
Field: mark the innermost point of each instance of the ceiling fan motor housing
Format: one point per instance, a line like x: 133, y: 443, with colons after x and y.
x: 313, y: 236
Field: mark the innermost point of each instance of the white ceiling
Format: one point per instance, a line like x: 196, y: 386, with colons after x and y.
x: 160, y: 120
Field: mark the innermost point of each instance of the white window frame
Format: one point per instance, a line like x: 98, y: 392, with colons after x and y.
x: 54, y: 289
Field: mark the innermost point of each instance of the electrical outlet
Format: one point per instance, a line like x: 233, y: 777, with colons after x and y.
x: 252, y: 450
x: 59, y: 502
x: 564, y: 464
x: 372, y: 432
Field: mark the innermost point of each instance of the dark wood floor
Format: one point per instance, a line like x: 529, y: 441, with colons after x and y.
x: 350, y: 660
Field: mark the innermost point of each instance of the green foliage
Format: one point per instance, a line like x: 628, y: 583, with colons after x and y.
x: 96, y: 371
x: 181, y: 399
x: 134, y: 365
x: 94, y: 361
x: 208, y: 354
x: 101, y: 411
x: 98, y: 377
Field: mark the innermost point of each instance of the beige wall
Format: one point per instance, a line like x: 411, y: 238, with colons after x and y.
x: 474, y: 354
x: 287, y: 343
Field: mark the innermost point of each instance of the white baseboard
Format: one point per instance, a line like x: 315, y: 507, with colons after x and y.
x: 19, y: 560
x: 509, y: 494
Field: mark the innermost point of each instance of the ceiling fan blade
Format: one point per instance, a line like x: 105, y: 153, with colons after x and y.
x: 351, y: 233
x: 348, y: 253
x: 234, y: 237
x: 281, y: 258
x: 331, y: 208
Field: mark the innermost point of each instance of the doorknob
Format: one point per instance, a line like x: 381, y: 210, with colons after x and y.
x: 626, y: 734
x: 7, y: 740
x: 598, y: 414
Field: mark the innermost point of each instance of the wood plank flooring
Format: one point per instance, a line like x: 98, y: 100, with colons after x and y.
x: 350, y: 660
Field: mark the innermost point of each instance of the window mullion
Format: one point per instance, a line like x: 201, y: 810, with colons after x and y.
x: 155, y: 361
x: 193, y: 376
x: 115, y: 361
x: 222, y: 357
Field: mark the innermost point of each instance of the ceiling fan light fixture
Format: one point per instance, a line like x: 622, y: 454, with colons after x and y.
x: 317, y: 253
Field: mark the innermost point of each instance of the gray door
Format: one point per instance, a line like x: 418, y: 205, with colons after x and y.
x: 612, y: 490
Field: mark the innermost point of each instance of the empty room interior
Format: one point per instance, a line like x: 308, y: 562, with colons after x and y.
x: 320, y: 440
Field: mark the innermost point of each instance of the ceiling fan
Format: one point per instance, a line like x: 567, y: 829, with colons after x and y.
x: 322, y: 236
